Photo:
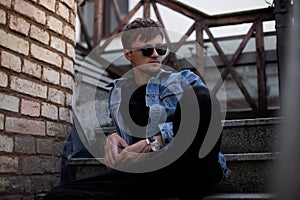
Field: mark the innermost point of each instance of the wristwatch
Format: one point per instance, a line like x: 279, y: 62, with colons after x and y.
x: 154, y: 144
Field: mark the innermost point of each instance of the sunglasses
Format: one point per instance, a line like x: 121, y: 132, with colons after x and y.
x: 148, y: 50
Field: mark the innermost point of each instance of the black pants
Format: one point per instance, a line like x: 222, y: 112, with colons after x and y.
x: 187, y: 178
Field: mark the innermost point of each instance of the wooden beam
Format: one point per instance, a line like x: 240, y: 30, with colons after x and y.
x: 98, y: 21
x: 260, y: 63
x: 265, y: 14
x: 118, y: 29
x: 199, y: 49
x: 229, y: 66
x: 116, y: 10
x: 183, y: 9
x: 84, y: 30
x: 146, y: 4
x: 180, y: 43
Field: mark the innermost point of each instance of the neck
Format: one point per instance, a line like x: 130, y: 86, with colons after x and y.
x: 142, y: 78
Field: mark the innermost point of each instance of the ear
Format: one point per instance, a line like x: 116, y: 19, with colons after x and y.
x: 127, y: 54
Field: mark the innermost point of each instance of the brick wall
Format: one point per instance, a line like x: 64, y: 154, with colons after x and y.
x: 37, y: 39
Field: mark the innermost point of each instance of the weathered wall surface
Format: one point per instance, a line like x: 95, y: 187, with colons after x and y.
x: 37, y: 39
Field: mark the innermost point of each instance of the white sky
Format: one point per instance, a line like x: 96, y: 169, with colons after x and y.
x: 179, y: 24
x: 225, y: 6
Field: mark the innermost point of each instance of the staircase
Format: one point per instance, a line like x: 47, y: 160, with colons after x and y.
x: 251, y: 149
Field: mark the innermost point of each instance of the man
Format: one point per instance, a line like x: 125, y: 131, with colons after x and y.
x: 161, y: 118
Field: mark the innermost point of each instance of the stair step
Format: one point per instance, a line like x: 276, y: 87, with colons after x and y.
x: 251, y: 135
x: 240, y: 196
x: 250, y: 172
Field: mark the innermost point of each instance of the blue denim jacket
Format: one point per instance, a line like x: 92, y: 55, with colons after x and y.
x: 162, y: 95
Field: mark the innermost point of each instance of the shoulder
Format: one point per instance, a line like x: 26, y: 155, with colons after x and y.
x: 119, y: 82
x: 188, y: 77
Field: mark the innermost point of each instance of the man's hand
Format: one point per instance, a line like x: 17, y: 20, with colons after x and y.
x: 118, y: 152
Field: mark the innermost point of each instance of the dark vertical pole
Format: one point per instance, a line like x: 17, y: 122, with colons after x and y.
x: 282, y: 13
x: 98, y: 21
x: 288, y: 176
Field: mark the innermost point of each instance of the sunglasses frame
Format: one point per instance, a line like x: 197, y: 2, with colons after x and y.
x: 148, y: 50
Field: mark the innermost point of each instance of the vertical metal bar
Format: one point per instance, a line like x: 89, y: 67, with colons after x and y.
x: 261, y: 68
x: 98, y: 21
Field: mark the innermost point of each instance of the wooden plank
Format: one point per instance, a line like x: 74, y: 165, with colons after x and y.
x: 98, y: 20
x: 146, y: 4
x: 265, y: 14
x: 261, y: 71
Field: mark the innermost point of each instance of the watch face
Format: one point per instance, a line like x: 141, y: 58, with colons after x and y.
x: 155, y: 146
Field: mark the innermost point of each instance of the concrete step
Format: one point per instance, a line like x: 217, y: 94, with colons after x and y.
x: 250, y: 173
x: 241, y: 196
x: 250, y: 148
x: 251, y: 135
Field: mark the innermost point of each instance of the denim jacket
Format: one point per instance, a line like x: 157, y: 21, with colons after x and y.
x: 162, y: 95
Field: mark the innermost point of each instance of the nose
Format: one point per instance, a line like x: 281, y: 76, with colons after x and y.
x: 154, y: 54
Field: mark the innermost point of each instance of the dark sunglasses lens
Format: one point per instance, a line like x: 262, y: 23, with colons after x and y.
x: 147, y: 51
x: 161, y: 50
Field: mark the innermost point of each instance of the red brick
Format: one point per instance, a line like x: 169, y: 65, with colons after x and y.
x: 39, y: 34
x: 19, y: 24
x: 8, y: 164
x: 50, y: 75
x: 8, y: 102
x: 49, y: 111
x: 3, y: 79
x: 30, y: 10
x: 24, y: 126
x: 45, y: 55
x: 2, y: 17
x: 30, y: 108
x: 11, y: 61
x: 32, y: 69
x: 6, y: 143
x: 48, y: 4
x: 14, y: 43
x: 28, y: 87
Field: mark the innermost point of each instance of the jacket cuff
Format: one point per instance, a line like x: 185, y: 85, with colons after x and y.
x: 166, y: 130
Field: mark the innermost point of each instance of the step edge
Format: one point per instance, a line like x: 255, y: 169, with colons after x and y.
x: 240, y: 196
x: 251, y: 122
x: 252, y: 156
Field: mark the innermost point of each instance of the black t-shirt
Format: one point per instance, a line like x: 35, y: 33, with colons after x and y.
x: 134, y: 101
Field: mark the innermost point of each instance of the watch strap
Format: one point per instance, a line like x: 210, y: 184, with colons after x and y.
x: 151, y: 139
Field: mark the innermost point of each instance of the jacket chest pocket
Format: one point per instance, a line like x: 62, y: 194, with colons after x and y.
x: 171, y: 94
